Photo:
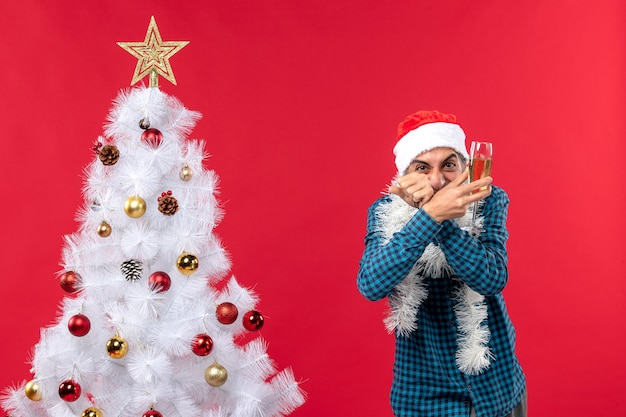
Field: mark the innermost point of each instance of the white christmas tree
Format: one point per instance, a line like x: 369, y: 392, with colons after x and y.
x: 152, y: 325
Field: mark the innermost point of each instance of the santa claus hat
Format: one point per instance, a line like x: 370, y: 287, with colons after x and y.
x: 425, y: 130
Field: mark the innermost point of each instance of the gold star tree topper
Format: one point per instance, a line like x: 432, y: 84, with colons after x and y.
x: 153, y: 55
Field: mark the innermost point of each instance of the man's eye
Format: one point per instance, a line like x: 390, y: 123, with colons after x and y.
x: 420, y: 168
x: 450, y: 165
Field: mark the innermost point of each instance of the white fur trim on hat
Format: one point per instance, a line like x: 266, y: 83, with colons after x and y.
x: 427, y: 137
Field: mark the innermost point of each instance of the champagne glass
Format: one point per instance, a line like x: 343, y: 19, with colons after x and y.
x: 479, y: 166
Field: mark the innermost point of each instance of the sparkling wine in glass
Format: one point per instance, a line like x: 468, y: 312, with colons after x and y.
x: 479, y: 165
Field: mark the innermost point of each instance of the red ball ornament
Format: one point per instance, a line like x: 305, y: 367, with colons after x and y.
x: 202, y: 344
x: 69, y: 390
x: 226, y: 313
x: 253, y: 320
x: 152, y: 136
x: 152, y: 413
x: 69, y: 281
x: 79, y: 325
x: 159, y: 281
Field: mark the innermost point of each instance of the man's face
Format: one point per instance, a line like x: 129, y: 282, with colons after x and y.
x: 440, y: 165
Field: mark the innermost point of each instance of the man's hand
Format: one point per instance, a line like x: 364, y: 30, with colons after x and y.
x: 452, y: 201
x: 414, y: 188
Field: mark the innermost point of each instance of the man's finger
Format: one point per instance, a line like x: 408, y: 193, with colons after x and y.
x: 460, y: 179
x: 478, y: 195
x: 425, y: 200
x: 409, y: 179
x: 393, y: 189
x: 479, y: 183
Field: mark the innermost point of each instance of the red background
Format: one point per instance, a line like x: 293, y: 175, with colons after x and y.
x: 301, y: 101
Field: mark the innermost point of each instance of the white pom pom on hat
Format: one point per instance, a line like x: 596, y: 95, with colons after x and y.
x: 425, y: 130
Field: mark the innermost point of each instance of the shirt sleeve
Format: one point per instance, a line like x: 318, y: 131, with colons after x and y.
x: 383, y: 266
x: 481, y: 263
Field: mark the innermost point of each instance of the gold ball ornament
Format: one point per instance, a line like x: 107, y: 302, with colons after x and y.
x: 117, y: 347
x: 104, y: 229
x: 215, y: 375
x: 32, y: 390
x: 186, y: 173
x: 187, y: 263
x: 92, y: 412
x: 135, y: 207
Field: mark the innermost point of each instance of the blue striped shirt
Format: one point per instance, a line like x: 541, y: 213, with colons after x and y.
x: 427, y: 381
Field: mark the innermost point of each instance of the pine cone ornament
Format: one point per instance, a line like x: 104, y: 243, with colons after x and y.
x: 132, y: 269
x: 168, y: 204
x: 109, y: 154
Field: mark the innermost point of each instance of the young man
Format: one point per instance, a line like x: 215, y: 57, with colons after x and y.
x: 443, y: 275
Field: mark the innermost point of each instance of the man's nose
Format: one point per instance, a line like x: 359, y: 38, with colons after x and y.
x: 437, y: 180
